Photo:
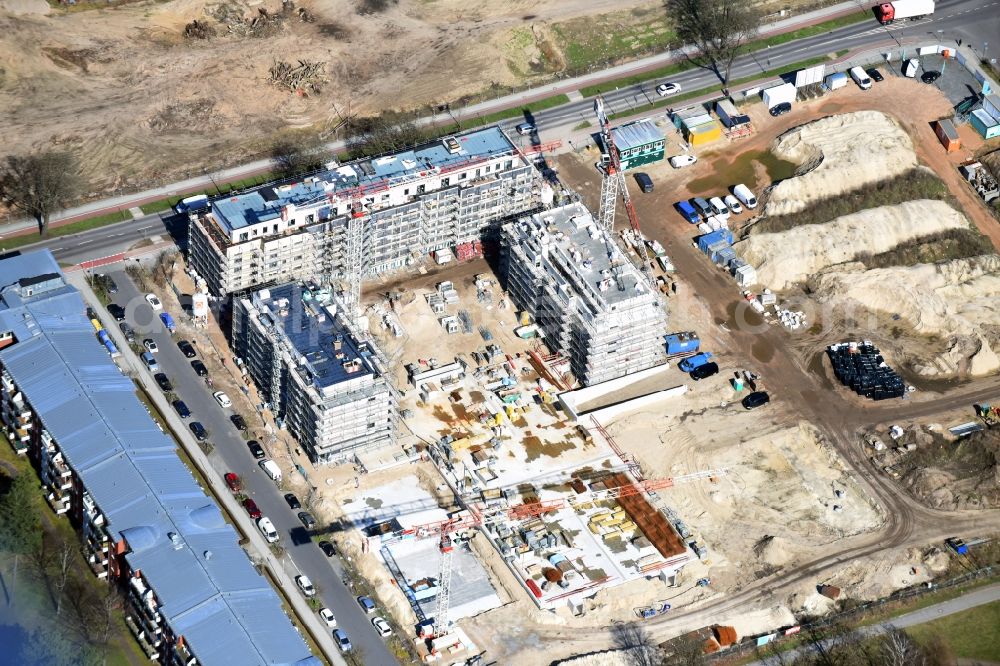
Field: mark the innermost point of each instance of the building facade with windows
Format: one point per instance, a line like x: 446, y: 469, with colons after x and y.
x: 147, y: 527
x: 375, y: 215
x: 593, y: 305
x: 322, y: 377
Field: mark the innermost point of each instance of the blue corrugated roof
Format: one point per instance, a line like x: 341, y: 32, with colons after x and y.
x: 133, y: 474
x: 265, y: 203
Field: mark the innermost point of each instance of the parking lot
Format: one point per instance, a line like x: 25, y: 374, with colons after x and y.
x: 956, y: 82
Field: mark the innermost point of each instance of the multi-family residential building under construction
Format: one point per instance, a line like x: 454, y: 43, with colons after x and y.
x: 590, y: 301
x: 365, y: 217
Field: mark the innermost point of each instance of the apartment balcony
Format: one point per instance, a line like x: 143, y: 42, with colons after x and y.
x: 58, y: 502
x: 183, y: 657
x: 140, y: 636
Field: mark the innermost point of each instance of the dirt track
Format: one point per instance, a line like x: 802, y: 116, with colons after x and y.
x: 799, y: 386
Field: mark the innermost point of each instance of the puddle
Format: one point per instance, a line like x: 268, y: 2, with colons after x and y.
x: 741, y: 170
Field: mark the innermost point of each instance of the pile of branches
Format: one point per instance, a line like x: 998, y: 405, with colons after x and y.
x: 307, y: 76
x: 262, y: 24
x: 198, y: 30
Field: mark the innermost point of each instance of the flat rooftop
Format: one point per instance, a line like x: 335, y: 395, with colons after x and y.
x: 316, y: 332
x: 569, y: 237
x: 265, y: 203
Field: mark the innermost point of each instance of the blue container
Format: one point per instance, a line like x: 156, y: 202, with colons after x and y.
x: 110, y: 346
x: 679, y: 343
x: 715, y: 248
x: 725, y: 255
x: 102, y: 335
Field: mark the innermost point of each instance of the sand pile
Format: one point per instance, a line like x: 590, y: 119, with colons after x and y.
x: 772, y: 550
x: 958, y: 300
x: 839, y: 154
x: 787, y: 257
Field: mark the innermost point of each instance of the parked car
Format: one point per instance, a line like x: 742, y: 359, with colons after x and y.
x: 233, y: 481
x: 307, y: 520
x: 327, y: 616
x: 222, y: 399
x: 705, y: 370
x: 367, y: 605
x: 305, y: 585
x: 107, y: 282
x: 266, y: 528
x: 911, y: 67
x: 734, y: 204
x: 239, y: 422
x: 780, y: 109
x: 199, y: 368
x: 251, y: 508
x: 328, y: 549
x: 665, y: 89
x: 182, y: 409
x: 930, y: 77
x: 168, y: 321
x: 193, y: 204
x: 150, y: 361
x: 644, y: 181
x: 756, y: 399
x: 163, y: 382
x: 681, y: 161
x: 525, y: 129
x: 256, y: 450
x: 116, y: 311
x: 875, y: 75
x: 127, y: 331
x: 154, y: 302
x: 199, y: 431
x: 382, y: 627
x: 343, y: 642
x: 187, y: 348
x: 150, y: 345
x: 292, y: 501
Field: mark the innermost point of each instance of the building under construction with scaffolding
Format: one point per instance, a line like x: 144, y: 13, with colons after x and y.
x: 366, y: 217
x: 323, y: 378
x: 587, y: 298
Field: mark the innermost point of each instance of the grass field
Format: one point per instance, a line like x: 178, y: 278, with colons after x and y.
x: 971, y: 634
x: 586, y: 43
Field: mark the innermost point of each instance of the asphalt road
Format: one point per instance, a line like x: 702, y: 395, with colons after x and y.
x: 973, y: 21
x: 972, y: 599
x: 111, y: 239
x: 231, y: 454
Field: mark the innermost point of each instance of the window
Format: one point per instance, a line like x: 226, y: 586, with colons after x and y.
x: 421, y: 189
x: 406, y: 192
x: 445, y: 182
x: 463, y: 176
x: 310, y: 219
x: 509, y: 164
x: 479, y: 172
x: 244, y: 236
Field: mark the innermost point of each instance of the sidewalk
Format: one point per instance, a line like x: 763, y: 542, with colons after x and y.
x: 257, y: 548
x: 262, y: 166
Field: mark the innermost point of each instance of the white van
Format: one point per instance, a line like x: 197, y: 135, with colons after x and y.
x: 266, y: 528
x: 744, y: 194
x: 193, y: 204
x: 910, y: 68
x: 271, y: 469
x: 860, y: 77
x: 720, y: 208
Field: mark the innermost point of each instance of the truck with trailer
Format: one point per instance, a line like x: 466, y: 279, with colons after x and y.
x: 692, y: 362
x: 900, y: 10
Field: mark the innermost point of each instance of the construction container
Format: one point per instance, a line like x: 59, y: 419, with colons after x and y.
x: 715, y: 248
x: 746, y: 276
x: 947, y: 135
x: 680, y: 343
x: 987, y: 126
x: 991, y: 104
x: 726, y: 255
x: 726, y: 636
x: 704, y: 228
x: 703, y: 134
x: 786, y: 92
x: 714, y: 236
x: 836, y: 81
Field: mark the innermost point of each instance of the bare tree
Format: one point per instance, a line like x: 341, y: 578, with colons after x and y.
x: 20, y: 529
x: 719, y: 28
x: 386, y: 133
x: 62, y: 565
x: 898, y: 649
x: 299, y: 154
x: 39, y: 184
x: 634, y: 641
x: 686, y: 650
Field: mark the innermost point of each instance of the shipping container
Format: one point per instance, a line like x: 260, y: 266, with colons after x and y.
x: 746, y: 276
x: 786, y: 92
x: 703, y: 134
x: 947, y: 135
x: 724, y: 256
x: 720, y: 235
x: 836, y: 81
x: 680, y: 343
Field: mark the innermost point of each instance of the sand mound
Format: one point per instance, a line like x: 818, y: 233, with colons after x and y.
x: 773, y: 550
x: 957, y: 300
x: 841, y: 153
x: 791, y: 256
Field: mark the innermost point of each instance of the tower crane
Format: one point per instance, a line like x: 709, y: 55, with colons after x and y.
x: 613, y: 184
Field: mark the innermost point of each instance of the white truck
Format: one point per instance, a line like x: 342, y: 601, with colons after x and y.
x: 899, y: 10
